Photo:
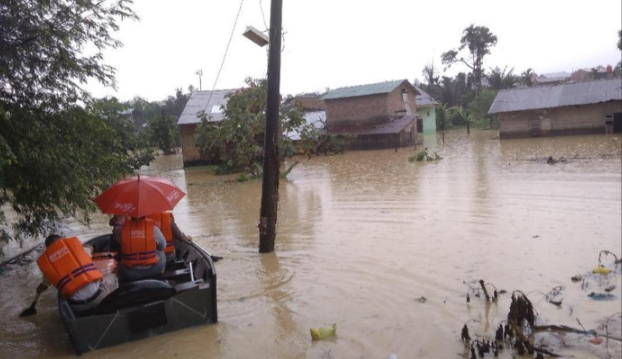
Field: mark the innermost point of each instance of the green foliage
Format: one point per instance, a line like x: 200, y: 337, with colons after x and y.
x: 526, y: 77
x: 237, y: 140
x: 461, y: 116
x: 58, y: 148
x: 479, y: 107
x: 442, y: 122
x: 502, y: 79
x: 163, y: 133
x: 424, y: 156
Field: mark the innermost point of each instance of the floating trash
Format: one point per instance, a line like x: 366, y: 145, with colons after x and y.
x: 323, y: 332
x: 601, y: 270
x: 601, y: 296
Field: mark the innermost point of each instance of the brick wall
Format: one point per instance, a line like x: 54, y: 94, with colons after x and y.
x: 369, y: 109
x: 190, y: 153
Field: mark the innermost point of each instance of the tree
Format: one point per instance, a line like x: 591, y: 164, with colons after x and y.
x: 478, y: 40
x: 163, y: 133
x: 237, y: 141
x: 430, y: 75
x: 526, y: 77
x: 501, y: 79
x: 480, y: 105
x: 464, y: 116
x: 59, y: 149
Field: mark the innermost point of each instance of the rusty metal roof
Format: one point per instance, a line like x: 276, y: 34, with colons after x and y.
x: 201, y: 101
x: 533, y: 98
x: 385, y: 128
x: 363, y: 90
x: 423, y: 99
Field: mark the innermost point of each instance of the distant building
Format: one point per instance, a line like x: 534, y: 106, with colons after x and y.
x: 135, y: 116
x: 577, y: 108
x: 208, y: 103
x: 551, y: 79
x: 315, y: 118
x: 380, y: 115
x: 308, y: 102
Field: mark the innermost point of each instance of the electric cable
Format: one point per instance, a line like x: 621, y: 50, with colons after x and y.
x: 226, y: 51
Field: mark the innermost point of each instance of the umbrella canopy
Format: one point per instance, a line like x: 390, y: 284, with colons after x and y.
x: 139, y: 196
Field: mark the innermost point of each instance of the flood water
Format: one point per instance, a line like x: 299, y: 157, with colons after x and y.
x: 363, y: 236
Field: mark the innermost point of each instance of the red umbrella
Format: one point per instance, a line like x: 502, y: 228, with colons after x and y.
x: 139, y: 196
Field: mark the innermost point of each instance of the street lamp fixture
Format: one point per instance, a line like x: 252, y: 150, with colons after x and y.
x: 256, y: 36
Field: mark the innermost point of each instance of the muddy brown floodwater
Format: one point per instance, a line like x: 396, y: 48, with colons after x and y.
x: 363, y: 236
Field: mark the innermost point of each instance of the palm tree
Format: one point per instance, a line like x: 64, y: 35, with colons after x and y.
x: 526, y: 77
x: 464, y: 115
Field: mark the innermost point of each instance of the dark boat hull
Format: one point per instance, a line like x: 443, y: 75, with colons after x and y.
x: 184, y: 296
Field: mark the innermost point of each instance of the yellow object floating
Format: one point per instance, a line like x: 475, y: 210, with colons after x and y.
x: 601, y: 270
x: 323, y: 332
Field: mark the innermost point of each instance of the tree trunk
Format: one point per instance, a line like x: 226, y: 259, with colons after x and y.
x: 270, y: 185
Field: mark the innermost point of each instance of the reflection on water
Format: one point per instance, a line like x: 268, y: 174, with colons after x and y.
x: 362, y: 236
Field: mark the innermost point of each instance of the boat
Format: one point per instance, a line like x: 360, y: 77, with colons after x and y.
x: 183, y: 296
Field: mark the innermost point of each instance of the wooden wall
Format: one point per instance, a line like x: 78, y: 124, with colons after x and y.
x: 567, y: 120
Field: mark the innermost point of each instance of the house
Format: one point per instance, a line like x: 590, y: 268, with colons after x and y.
x: 426, y: 112
x: 134, y: 115
x: 578, y: 108
x: 551, y: 79
x: 208, y: 103
x: 380, y: 115
x: 315, y: 118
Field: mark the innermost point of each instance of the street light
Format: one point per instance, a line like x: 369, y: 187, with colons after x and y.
x: 256, y: 36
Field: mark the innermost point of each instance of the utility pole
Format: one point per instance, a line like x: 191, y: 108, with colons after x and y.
x: 271, y: 162
x: 200, y: 73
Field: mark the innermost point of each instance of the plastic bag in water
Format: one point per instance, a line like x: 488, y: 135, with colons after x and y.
x: 323, y: 332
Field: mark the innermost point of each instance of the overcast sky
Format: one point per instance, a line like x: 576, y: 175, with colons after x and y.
x: 337, y: 43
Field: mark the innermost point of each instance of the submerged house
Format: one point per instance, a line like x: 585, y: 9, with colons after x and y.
x: 579, y: 108
x: 426, y: 112
x: 208, y: 103
x: 380, y: 115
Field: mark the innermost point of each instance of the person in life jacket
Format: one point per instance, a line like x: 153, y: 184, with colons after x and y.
x: 116, y: 222
x: 66, y: 265
x: 166, y: 222
x: 142, y: 249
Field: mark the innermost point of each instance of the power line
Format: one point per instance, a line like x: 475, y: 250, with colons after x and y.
x: 226, y: 51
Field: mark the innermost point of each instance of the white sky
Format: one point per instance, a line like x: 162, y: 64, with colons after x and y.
x: 337, y: 43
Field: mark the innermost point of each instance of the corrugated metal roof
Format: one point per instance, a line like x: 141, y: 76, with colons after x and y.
x: 424, y: 100
x: 201, y: 101
x: 363, y: 90
x: 533, y: 98
x: 385, y: 128
x: 315, y: 118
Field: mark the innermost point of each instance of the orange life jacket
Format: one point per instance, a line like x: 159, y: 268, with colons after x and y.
x: 138, y: 244
x: 67, y: 266
x: 164, y: 220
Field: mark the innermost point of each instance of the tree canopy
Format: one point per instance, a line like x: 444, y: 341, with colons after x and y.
x: 237, y: 140
x: 477, y: 40
x: 58, y: 147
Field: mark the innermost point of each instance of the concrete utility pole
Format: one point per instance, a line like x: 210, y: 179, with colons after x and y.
x: 271, y: 162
